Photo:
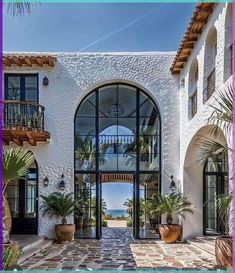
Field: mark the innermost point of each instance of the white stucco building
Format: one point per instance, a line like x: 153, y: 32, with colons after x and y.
x: 151, y: 102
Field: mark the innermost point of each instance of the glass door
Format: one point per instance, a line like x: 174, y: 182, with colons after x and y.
x: 22, y: 196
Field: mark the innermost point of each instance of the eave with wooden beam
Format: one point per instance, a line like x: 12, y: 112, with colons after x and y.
x: 198, y: 21
x: 28, y: 60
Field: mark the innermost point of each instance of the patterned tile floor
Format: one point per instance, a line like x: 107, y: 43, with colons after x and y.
x: 118, y: 250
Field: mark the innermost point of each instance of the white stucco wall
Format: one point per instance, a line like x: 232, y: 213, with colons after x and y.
x: 70, y: 80
x: 191, y: 174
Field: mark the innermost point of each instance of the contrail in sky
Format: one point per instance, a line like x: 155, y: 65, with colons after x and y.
x: 121, y: 28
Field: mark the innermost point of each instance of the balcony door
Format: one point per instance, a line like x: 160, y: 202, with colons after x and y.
x: 22, y: 197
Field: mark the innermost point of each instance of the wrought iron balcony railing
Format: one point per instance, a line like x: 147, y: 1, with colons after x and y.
x: 24, y: 115
x: 210, y: 86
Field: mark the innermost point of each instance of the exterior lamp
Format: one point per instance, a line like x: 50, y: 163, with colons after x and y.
x: 172, y: 185
x: 45, y: 81
x: 45, y: 181
x: 62, y: 183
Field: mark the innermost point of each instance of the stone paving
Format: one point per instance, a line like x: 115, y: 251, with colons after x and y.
x: 119, y: 251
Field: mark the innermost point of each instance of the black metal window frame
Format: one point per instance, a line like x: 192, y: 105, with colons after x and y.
x: 22, y: 85
x: 135, y: 173
x: 220, y: 189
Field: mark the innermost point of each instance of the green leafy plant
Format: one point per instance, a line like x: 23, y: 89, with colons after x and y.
x: 10, y: 256
x: 58, y: 205
x: 169, y: 204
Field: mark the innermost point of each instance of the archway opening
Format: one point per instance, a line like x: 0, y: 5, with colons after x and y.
x: 117, y: 131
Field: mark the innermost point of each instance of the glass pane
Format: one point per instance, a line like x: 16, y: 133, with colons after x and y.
x: 84, y: 162
x: 31, y: 82
x: 149, y: 162
x: 149, y: 185
x: 88, y: 107
x: 127, y: 100
x: 127, y: 162
x: 149, y: 126
x: 108, y: 126
x: 13, y: 88
x: 126, y: 126
x: 85, y: 193
x: 147, y: 107
x: 108, y: 162
x: 30, y: 199
x: 211, y: 193
x: 108, y: 104
x: 13, y: 198
x: 85, y: 126
x: 31, y: 95
x: 149, y: 144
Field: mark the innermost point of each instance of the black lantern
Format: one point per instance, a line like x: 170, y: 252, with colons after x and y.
x: 45, y: 81
x: 172, y: 185
x: 46, y: 181
x: 62, y: 183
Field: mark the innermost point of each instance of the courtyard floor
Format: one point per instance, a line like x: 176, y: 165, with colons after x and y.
x: 117, y: 250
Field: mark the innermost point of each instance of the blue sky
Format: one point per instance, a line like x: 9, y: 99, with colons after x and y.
x: 115, y: 194
x: 106, y: 27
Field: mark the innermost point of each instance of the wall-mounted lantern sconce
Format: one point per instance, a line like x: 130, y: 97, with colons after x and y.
x: 45, y: 81
x: 62, y: 183
x: 172, y: 185
x: 45, y: 181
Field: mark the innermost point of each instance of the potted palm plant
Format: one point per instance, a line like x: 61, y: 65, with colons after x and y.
x: 223, y: 244
x: 169, y: 205
x: 60, y: 205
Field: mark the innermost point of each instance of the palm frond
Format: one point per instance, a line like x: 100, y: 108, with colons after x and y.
x: 16, y: 163
x: 222, y: 116
x: 58, y: 205
x: 19, y: 8
x: 207, y: 148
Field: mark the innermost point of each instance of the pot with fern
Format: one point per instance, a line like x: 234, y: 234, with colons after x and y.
x: 169, y: 205
x: 60, y: 205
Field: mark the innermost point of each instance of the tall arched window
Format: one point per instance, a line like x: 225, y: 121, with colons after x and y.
x: 192, y: 88
x: 117, y: 131
x: 209, y: 63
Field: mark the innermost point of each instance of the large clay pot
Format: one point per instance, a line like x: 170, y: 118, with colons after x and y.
x: 223, y: 251
x: 170, y: 233
x: 64, y: 233
x: 87, y: 223
x: 11, y: 254
x: 7, y: 212
x: 79, y: 222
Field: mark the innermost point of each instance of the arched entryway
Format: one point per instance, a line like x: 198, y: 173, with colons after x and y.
x: 202, y: 182
x: 117, y: 137
x: 22, y: 197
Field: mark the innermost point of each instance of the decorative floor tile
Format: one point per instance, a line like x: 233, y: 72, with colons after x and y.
x: 117, y: 250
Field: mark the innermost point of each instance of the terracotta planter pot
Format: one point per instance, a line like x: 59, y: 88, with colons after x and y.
x: 64, y: 233
x: 223, y: 251
x: 170, y: 233
x: 7, y: 212
x: 11, y: 254
x: 79, y: 222
x: 87, y: 223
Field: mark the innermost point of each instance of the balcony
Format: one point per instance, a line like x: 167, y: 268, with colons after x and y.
x: 210, y: 86
x: 23, y: 121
